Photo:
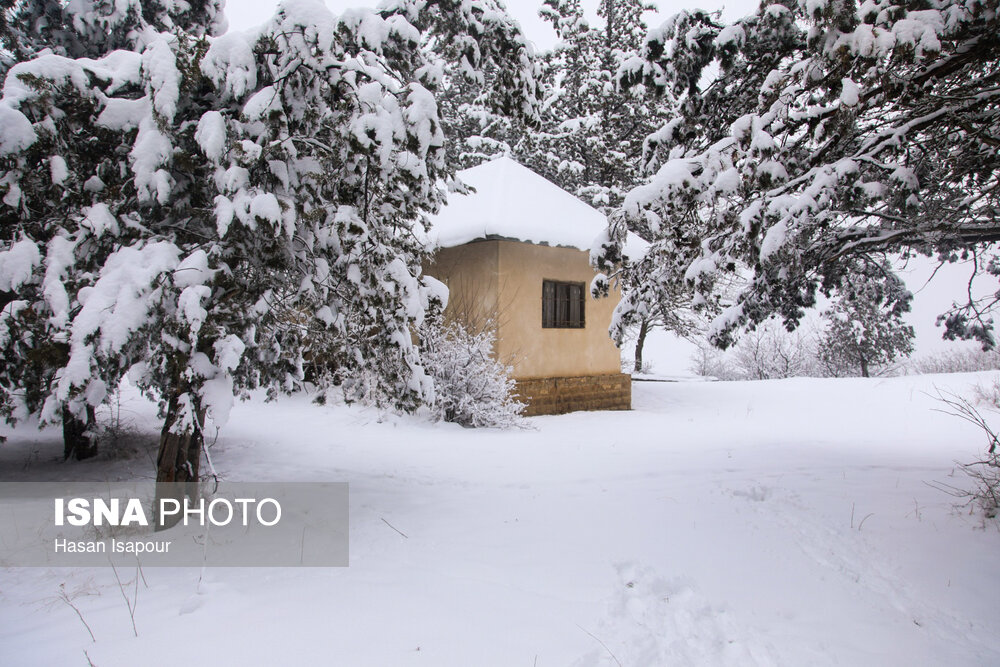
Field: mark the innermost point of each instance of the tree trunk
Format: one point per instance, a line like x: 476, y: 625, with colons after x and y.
x: 79, y: 440
x: 178, y: 461
x: 864, y: 368
x: 643, y: 330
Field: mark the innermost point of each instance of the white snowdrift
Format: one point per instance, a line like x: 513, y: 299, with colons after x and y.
x: 760, y: 523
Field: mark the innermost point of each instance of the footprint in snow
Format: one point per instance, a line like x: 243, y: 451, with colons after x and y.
x: 756, y: 493
x: 652, y: 620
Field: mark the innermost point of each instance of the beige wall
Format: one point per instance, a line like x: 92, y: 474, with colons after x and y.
x: 471, y: 273
x: 502, y: 281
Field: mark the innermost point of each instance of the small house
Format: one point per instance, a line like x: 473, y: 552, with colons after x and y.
x: 515, y: 257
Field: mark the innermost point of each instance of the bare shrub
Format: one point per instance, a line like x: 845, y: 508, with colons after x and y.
x: 709, y: 361
x: 985, y: 472
x: 768, y: 352
x: 956, y: 361
x: 628, y: 366
x: 117, y: 434
x: 989, y: 395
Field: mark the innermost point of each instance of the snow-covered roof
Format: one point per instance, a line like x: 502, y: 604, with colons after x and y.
x: 513, y: 202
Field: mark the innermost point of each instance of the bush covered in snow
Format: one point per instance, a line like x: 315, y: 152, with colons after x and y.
x: 967, y: 360
x: 471, y: 387
x: 768, y: 352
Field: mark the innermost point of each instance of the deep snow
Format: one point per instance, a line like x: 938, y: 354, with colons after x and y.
x: 786, y: 522
x: 511, y: 201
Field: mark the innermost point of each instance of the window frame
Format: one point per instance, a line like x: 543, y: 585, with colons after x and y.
x: 558, y: 300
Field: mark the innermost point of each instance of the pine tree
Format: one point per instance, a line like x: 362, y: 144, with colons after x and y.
x: 590, y: 133
x: 474, y: 131
x: 593, y: 131
x: 865, y: 331
x: 832, y: 132
x: 210, y: 202
x: 93, y: 28
x: 79, y: 29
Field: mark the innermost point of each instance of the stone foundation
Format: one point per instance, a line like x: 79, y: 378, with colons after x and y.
x: 554, y: 396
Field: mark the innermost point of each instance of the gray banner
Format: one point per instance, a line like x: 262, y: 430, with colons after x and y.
x: 234, y: 524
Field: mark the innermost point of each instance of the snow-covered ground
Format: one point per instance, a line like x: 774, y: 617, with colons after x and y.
x: 789, y: 522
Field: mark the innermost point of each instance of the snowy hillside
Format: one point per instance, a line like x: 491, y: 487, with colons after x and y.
x: 787, y: 522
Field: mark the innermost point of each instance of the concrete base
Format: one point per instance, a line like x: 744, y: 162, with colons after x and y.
x: 554, y: 396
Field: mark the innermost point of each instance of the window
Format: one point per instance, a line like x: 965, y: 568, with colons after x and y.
x: 562, y: 305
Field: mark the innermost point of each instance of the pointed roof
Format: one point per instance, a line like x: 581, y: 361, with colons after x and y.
x: 513, y: 202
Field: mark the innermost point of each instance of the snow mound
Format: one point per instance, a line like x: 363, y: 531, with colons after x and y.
x: 513, y: 202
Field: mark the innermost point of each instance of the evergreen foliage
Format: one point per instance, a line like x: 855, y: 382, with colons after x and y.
x: 865, y: 331
x: 188, y: 208
x: 590, y: 134
x: 812, y: 138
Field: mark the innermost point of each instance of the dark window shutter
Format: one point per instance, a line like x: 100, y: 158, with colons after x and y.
x: 563, y: 304
x: 548, y: 304
x: 575, y: 306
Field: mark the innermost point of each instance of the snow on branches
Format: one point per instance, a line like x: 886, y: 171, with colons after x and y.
x: 207, y: 204
x: 814, y: 133
x: 472, y: 387
x: 590, y: 133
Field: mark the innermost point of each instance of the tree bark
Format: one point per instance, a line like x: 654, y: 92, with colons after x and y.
x: 864, y: 368
x: 639, y: 343
x: 79, y: 440
x: 178, y: 462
